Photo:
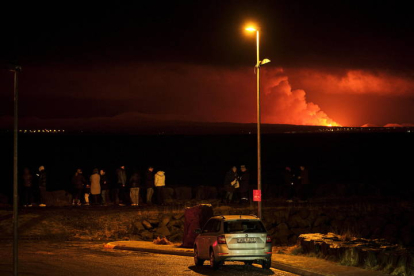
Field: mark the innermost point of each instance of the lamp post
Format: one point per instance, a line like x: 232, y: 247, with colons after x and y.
x: 16, y: 69
x: 259, y: 158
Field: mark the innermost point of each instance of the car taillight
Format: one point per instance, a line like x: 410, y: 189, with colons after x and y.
x: 268, y: 239
x: 221, y: 239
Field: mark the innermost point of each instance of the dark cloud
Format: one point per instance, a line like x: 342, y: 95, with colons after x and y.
x: 346, y: 61
x: 346, y: 34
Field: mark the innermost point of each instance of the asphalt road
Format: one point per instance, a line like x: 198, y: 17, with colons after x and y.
x: 87, y: 258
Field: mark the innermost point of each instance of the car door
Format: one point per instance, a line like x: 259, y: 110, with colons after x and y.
x: 203, y: 240
x: 211, y: 235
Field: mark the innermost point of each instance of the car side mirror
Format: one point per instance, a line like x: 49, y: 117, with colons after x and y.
x: 197, y: 231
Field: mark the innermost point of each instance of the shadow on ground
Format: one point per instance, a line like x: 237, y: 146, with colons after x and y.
x: 232, y: 269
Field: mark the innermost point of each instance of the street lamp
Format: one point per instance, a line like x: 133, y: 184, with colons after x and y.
x: 259, y: 162
x: 16, y: 69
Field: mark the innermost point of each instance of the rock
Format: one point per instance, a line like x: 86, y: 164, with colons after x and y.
x: 139, y: 226
x: 304, y: 213
x: 153, y: 219
x: 167, y: 194
x: 321, y: 229
x: 165, y: 220
x: 135, y: 238
x: 206, y: 192
x: 163, y: 241
x: 147, y: 235
x: 178, y: 216
x: 297, y: 221
x: 163, y: 231
x: 183, y: 193
x: 299, y: 231
x: 292, y: 239
x: 177, y: 223
x: 370, y: 254
x: 176, y: 237
x: 146, y: 224
x: 281, y: 234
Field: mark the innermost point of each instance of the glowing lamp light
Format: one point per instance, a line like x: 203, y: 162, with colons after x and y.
x: 266, y: 60
x: 251, y: 29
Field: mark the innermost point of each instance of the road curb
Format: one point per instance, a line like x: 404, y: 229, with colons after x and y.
x: 275, y: 264
x: 294, y: 270
x: 156, y: 251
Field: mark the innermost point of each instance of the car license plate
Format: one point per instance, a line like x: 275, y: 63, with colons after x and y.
x: 246, y: 240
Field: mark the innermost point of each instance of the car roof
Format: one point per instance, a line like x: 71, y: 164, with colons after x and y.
x: 236, y: 217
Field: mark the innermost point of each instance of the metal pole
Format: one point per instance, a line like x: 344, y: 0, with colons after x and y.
x: 259, y: 163
x: 15, y: 174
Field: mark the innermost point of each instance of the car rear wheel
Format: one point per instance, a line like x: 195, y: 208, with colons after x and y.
x: 213, y: 263
x: 266, y: 264
x: 248, y: 262
x: 197, y: 260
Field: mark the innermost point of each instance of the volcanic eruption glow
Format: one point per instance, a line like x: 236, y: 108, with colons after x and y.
x: 284, y: 105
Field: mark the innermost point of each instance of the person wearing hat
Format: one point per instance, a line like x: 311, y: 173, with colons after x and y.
x: 134, y: 185
x: 42, y: 181
x: 230, y: 182
x: 104, y: 187
x: 244, y: 181
x: 78, y: 182
x: 122, y: 179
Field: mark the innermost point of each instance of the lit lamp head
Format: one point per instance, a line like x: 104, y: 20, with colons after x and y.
x: 263, y: 62
x: 251, y: 29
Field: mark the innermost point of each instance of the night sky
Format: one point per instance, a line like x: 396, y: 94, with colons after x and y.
x: 338, y: 62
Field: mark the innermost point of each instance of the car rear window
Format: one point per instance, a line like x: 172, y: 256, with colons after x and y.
x: 244, y: 226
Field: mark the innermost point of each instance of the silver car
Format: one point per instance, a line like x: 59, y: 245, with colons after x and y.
x: 233, y: 238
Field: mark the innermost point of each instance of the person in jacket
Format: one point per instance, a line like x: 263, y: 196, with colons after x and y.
x: 289, y: 184
x: 304, y: 184
x: 149, y: 184
x: 27, y: 187
x: 121, y: 181
x: 230, y: 182
x: 159, y: 183
x: 42, y: 184
x: 78, y: 182
x: 244, y: 181
x: 134, y: 185
x: 95, y: 180
x: 104, y: 187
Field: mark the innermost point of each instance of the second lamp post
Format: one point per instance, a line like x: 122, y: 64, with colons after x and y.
x: 259, y: 162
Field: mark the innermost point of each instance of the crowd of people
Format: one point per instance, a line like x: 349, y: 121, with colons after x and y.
x: 98, y: 189
x: 296, y: 184
x: 237, y: 183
